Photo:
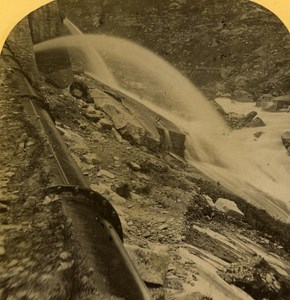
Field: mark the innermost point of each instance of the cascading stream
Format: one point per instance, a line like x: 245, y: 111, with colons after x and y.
x: 211, y: 146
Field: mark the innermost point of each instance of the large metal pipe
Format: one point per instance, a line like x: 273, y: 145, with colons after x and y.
x: 95, y: 222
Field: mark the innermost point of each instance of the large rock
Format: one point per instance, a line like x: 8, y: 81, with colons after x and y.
x: 228, y: 206
x: 126, y: 124
x: 151, y: 265
x: 257, y: 122
x: 137, y: 123
x: 285, y: 137
x: 80, y: 90
x: 247, y: 119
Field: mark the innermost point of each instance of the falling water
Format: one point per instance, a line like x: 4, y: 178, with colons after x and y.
x: 93, y: 62
x: 211, y: 147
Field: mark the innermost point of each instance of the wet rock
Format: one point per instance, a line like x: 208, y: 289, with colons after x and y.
x: 228, y: 206
x: 104, y: 173
x: 106, y: 124
x: 258, y: 134
x: 285, y: 137
x: 257, y: 122
x: 242, y: 96
x: 152, y: 265
x: 247, y: 119
x: 134, y: 166
x: 234, y: 119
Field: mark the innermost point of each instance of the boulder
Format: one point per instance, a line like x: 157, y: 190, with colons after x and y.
x: 285, y: 137
x: 126, y: 124
x: 257, y: 122
x: 247, y: 119
x: 151, y: 265
x: 228, y: 206
x: 258, y: 134
x: 80, y: 90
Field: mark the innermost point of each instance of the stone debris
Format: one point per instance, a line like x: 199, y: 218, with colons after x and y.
x: 104, y: 173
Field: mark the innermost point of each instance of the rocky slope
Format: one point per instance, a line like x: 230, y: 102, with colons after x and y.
x: 188, y: 236
x: 184, y: 245
x: 224, y: 47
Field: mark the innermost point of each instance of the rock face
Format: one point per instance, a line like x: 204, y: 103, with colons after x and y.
x: 46, y: 24
x: 20, y: 43
x: 285, y: 137
x: 228, y: 206
x: 210, y: 55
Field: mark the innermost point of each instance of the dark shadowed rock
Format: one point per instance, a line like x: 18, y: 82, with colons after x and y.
x: 247, y: 119
x: 80, y: 90
x: 257, y: 122
x: 285, y: 137
x: 123, y: 189
x: 258, y: 134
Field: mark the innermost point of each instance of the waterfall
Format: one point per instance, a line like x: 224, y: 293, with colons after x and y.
x: 211, y: 146
x: 94, y: 63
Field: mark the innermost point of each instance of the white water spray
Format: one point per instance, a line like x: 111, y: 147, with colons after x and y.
x: 211, y: 147
x: 92, y: 60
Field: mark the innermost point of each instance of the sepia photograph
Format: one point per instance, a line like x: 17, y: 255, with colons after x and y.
x: 145, y: 150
